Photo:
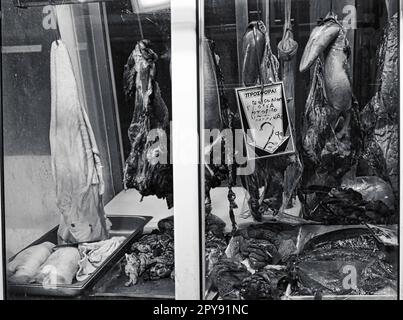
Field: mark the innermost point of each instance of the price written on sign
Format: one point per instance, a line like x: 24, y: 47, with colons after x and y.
x: 264, y: 112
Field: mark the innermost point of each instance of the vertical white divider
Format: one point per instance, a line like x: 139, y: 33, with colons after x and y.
x: 400, y: 156
x: 185, y: 146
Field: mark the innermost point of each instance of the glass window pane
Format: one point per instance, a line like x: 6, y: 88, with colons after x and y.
x: 86, y: 93
x: 298, y: 183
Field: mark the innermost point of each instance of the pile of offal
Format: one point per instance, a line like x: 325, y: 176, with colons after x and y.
x: 272, y: 260
x: 152, y: 257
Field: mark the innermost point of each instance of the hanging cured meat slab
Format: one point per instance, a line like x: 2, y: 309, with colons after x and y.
x: 75, y: 158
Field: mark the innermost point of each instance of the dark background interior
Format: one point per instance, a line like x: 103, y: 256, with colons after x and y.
x: 124, y: 33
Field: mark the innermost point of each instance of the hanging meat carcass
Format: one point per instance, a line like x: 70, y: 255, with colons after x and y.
x: 147, y: 169
x: 380, y: 117
x: 287, y: 52
x: 331, y: 133
x: 279, y: 176
x: 218, y: 116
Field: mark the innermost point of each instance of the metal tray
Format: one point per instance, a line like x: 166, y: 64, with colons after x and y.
x: 122, y: 225
x: 112, y: 286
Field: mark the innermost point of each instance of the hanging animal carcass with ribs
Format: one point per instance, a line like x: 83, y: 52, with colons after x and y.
x: 147, y: 168
x: 380, y: 117
x: 280, y: 175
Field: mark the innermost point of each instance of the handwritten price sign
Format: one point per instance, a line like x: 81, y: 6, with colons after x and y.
x: 265, y: 116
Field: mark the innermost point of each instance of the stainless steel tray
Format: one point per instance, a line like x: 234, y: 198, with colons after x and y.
x: 112, y: 286
x: 122, y: 225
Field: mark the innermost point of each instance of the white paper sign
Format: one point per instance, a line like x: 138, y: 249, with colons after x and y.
x: 264, y: 111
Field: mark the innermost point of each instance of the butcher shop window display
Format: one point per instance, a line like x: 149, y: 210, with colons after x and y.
x: 318, y: 217
x: 92, y: 95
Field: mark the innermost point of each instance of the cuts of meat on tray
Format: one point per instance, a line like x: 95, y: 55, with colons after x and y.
x: 49, y: 265
x: 252, y: 263
x: 264, y: 261
x: 152, y: 256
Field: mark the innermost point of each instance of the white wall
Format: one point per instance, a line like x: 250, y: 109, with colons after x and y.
x: 30, y: 200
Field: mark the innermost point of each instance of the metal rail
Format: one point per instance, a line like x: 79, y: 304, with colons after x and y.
x: 41, y: 3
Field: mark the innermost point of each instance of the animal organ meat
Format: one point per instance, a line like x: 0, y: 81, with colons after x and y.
x: 147, y: 169
x: 260, y: 253
x: 227, y: 276
x: 331, y: 130
x: 215, y: 225
x: 319, y: 268
x: 346, y: 206
x: 25, y: 265
x: 380, y: 116
x: 60, y: 268
x: 167, y: 225
x: 269, y: 284
x: 216, y: 243
x: 152, y: 257
x: 214, y: 250
x: 372, y: 189
x: 75, y: 158
x: 263, y: 244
